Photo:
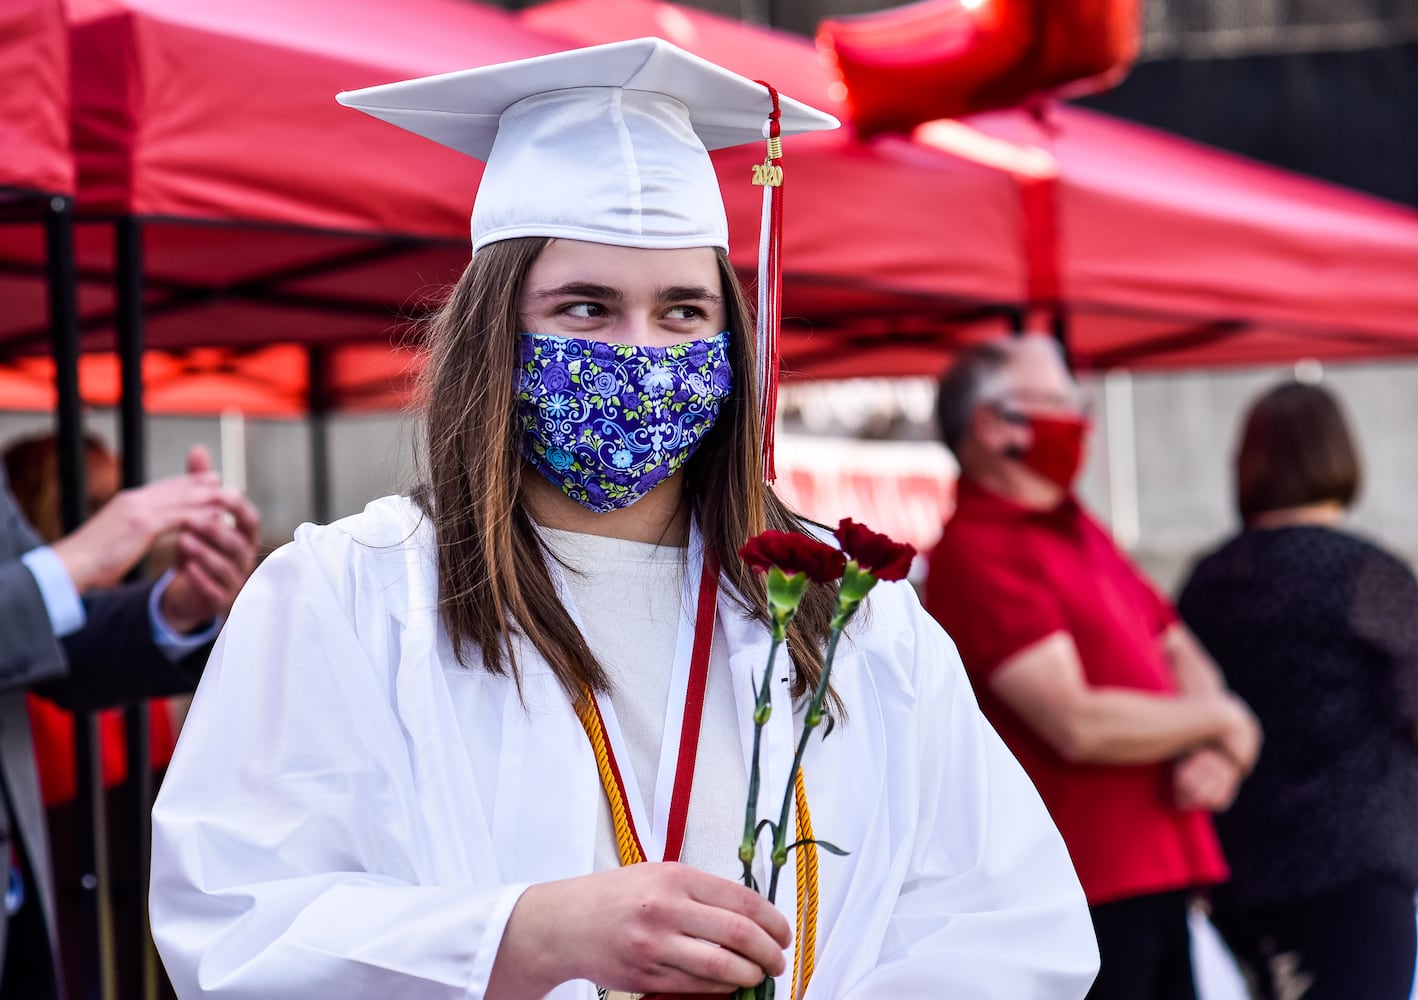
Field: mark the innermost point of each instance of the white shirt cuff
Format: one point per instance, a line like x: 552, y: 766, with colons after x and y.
x: 57, y: 590
x: 174, y: 644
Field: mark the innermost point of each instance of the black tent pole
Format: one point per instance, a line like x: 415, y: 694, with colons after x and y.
x: 72, y: 474
x: 64, y: 335
x: 64, y: 342
x: 318, y: 410
x: 138, y: 793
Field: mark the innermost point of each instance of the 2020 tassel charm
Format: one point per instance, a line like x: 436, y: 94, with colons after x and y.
x: 769, y: 175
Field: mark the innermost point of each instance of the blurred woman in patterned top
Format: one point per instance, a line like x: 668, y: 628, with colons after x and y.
x: 1317, y: 629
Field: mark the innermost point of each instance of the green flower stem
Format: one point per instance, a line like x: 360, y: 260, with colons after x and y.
x: 763, y: 991
x: 810, y: 722
x: 785, y: 593
x: 761, y: 711
x: 856, y: 583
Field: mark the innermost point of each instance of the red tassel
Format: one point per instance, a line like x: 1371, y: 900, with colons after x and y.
x: 770, y: 282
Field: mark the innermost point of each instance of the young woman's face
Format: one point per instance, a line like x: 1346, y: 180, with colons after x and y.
x: 624, y: 295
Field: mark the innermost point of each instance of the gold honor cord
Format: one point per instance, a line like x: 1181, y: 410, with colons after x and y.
x: 627, y: 842
x: 805, y: 940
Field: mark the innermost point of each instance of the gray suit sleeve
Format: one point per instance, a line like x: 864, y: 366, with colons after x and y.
x: 113, y: 659
x: 29, y: 651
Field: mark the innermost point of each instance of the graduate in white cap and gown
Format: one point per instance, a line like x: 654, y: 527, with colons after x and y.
x: 392, y: 782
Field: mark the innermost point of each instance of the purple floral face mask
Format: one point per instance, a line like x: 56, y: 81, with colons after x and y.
x: 607, y: 423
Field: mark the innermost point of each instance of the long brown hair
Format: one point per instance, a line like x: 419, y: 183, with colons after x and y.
x: 493, y: 581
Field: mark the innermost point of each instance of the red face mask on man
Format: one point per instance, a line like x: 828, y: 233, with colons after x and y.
x: 1057, y: 450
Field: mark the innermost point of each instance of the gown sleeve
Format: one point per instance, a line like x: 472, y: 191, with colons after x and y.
x: 990, y: 907
x: 287, y: 855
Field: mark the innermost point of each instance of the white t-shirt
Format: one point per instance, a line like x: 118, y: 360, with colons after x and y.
x: 629, y: 596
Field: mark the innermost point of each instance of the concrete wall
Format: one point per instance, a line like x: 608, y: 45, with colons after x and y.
x: 1187, y: 428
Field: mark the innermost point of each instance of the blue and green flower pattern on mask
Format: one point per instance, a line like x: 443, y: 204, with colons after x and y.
x: 607, y: 423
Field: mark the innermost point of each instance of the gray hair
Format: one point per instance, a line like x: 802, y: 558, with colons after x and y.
x: 976, y: 376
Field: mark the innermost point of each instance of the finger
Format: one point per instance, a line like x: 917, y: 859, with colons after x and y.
x: 166, y: 501
x: 248, y: 518
x: 189, y: 487
x: 723, y: 894
x: 214, y: 527
x: 226, y: 576
x: 210, y: 565
x: 234, y: 508
x: 199, y: 459
x: 130, y: 522
x: 1201, y: 795
x: 1205, y: 784
x: 1192, y: 783
x: 736, y: 933
x: 1213, y: 795
x: 1202, y: 799
x: 1188, y: 778
x: 700, y: 967
x: 213, y: 599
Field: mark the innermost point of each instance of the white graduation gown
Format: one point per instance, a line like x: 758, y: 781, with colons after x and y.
x: 351, y: 813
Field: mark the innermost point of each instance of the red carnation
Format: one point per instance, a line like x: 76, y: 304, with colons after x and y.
x: 874, y: 552
x: 793, y: 553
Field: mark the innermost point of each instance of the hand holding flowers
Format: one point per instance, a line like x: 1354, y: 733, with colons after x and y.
x: 791, y: 562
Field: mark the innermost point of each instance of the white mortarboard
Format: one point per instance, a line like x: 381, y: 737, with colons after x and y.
x: 609, y: 144
x: 606, y: 144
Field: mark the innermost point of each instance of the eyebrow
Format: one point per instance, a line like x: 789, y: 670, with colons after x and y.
x: 688, y: 293
x: 579, y: 290
x: 590, y: 290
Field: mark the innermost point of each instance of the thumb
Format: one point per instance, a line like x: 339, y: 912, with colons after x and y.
x: 199, y: 459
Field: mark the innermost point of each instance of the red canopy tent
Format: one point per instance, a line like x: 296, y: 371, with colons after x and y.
x: 1156, y: 252
x: 34, y: 104
x: 1173, y: 254
x: 268, y: 214
x: 178, y: 107
x: 1164, y: 253
x: 36, y: 185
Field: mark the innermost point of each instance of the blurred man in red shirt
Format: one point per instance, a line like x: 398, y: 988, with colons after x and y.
x: 1113, y: 708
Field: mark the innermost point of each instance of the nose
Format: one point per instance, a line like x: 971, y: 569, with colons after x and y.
x: 637, y: 328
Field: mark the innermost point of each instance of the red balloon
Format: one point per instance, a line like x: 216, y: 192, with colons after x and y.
x: 947, y: 58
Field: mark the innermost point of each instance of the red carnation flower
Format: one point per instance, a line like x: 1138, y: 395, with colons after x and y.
x: 874, y: 552
x: 793, y: 553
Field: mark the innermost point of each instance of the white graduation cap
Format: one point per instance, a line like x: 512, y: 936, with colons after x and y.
x: 606, y: 144
x: 609, y: 144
